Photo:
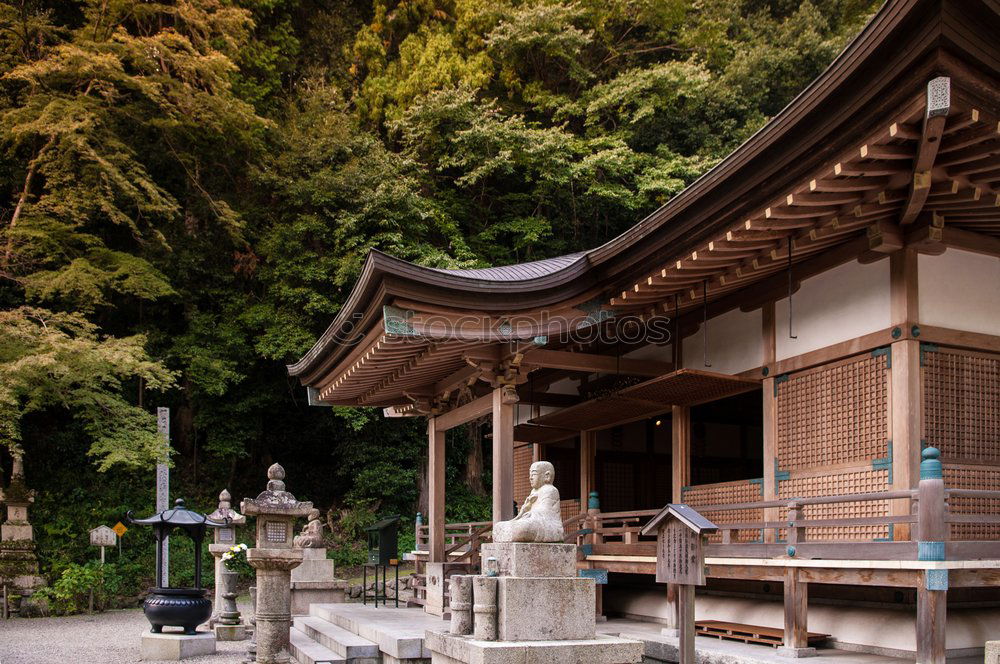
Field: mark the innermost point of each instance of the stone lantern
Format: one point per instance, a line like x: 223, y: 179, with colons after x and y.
x: 17, y: 554
x: 226, y: 617
x: 274, y: 558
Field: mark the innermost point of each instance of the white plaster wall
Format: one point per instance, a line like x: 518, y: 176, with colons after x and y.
x: 886, y: 628
x: 565, y: 386
x: 734, y: 343
x: 664, y: 353
x: 960, y: 290
x: 840, y: 304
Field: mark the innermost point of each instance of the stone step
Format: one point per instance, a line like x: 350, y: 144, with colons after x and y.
x: 348, y: 645
x: 306, y: 651
x: 399, y: 633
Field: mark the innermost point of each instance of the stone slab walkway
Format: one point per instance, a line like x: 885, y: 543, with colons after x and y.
x: 103, y: 638
x: 718, y: 651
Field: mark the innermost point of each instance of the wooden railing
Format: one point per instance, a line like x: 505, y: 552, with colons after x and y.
x: 619, y: 533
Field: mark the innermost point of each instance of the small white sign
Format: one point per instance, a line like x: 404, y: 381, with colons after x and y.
x: 103, y: 536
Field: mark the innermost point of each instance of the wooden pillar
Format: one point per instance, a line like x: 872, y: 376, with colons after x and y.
x: 435, y: 502
x: 933, y: 531
x: 588, y: 452
x: 932, y: 622
x: 796, y: 613
x: 680, y: 459
x: 537, y: 449
x: 504, y: 400
x: 685, y: 616
x: 770, y: 421
x: 906, y: 398
x: 680, y: 430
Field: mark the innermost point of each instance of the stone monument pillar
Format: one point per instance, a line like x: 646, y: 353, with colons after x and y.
x: 274, y: 558
x: 18, y: 562
x: 231, y: 629
x: 313, y: 581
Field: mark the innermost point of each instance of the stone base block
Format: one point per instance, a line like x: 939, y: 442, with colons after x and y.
x: 230, y: 632
x: 992, y: 652
x: 315, y: 567
x: 176, y: 646
x: 16, y: 531
x: 545, y: 609
x: 796, y: 652
x: 305, y: 593
x: 528, y: 559
x: 448, y: 649
x: 437, y: 584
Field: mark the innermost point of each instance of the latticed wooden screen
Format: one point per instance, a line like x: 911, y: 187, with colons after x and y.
x: 833, y: 415
x: 961, y: 417
x: 522, y: 465
x: 971, y: 477
x: 833, y: 439
x: 569, y: 509
x: 723, y: 493
x: 962, y: 404
x: 860, y: 481
x: 617, y: 486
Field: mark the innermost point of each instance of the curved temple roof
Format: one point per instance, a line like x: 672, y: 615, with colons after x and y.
x: 840, y: 166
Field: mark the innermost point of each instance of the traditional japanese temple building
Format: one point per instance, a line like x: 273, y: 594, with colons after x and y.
x: 776, y: 346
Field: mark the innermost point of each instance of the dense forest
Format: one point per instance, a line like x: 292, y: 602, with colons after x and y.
x: 188, y: 189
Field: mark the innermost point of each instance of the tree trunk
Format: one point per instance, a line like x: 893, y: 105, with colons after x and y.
x: 423, y: 488
x: 23, y: 198
x: 474, y: 461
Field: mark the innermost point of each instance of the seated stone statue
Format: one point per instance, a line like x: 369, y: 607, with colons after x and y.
x: 539, y: 519
x: 312, y: 533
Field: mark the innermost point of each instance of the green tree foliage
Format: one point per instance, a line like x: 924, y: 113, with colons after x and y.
x: 51, y: 359
x: 188, y: 189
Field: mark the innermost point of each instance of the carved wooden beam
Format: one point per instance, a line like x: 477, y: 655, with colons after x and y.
x: 935, y: 119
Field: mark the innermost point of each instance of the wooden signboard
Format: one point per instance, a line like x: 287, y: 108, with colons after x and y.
x: 680, y: 560
x: 679, y: 556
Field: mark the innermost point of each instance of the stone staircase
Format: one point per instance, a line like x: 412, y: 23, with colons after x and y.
x: 355, y: 634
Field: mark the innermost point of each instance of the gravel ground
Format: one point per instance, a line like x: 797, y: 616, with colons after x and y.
x: 104, y: 638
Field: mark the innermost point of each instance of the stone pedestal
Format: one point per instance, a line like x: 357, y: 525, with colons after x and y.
x: 173, y: 646
x: 992, y: 655
x: 230, y: 632
x: 273, y: 613
x: 537, y: 611
x: 313, y: 582
x: 545, y: 609
x: 542, y: 560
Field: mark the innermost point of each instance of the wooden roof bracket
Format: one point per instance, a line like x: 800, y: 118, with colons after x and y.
x: 935, y: 117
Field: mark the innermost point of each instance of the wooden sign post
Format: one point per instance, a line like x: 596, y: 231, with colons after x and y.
x: 680, y: 560
x: 103, y: 537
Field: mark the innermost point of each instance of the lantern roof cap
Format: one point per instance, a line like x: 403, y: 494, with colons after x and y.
x: 180, y: 517
x: 226, y: 511
x: 275, y: 500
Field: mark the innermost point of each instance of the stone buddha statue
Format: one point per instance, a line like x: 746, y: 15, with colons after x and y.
x: 539, y: 519
x: 312, y: 533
